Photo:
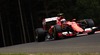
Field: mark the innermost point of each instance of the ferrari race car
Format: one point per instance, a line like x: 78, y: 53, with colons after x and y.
x: 56, y: 28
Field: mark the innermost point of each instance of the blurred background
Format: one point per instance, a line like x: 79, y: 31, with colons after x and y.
x: 20, y: 18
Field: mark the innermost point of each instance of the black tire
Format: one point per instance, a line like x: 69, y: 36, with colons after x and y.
x: 89, y: 22
x: 57, y: 29
x: 40, y: 35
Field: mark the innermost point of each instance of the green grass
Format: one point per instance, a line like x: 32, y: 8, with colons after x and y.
x: 53, y: 54
x: 68, y: 54
x: 13, y: 54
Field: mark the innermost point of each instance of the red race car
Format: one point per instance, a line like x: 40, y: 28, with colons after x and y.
x: 57, y: 28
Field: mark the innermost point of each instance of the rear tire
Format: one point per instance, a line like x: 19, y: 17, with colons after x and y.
x: 40, y: 35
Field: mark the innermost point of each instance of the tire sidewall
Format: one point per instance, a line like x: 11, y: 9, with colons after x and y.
x: 40, y: 35
x: 56, y: 30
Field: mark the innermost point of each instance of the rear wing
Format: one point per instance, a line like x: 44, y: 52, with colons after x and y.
x: 49, y: 20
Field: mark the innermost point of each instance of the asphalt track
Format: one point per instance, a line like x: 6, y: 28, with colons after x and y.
x: 82, y: 44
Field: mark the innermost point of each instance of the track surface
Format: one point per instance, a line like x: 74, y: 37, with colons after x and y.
x: 82, y: 44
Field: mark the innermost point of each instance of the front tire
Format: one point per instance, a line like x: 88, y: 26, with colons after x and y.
x: 90, y: 24
x: 57, y: 29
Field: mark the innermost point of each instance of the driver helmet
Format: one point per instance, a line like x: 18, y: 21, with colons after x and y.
x: 74, y: 19
x: 63, y: 20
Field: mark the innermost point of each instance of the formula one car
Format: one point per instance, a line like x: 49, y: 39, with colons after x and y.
x: 57, y: 28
